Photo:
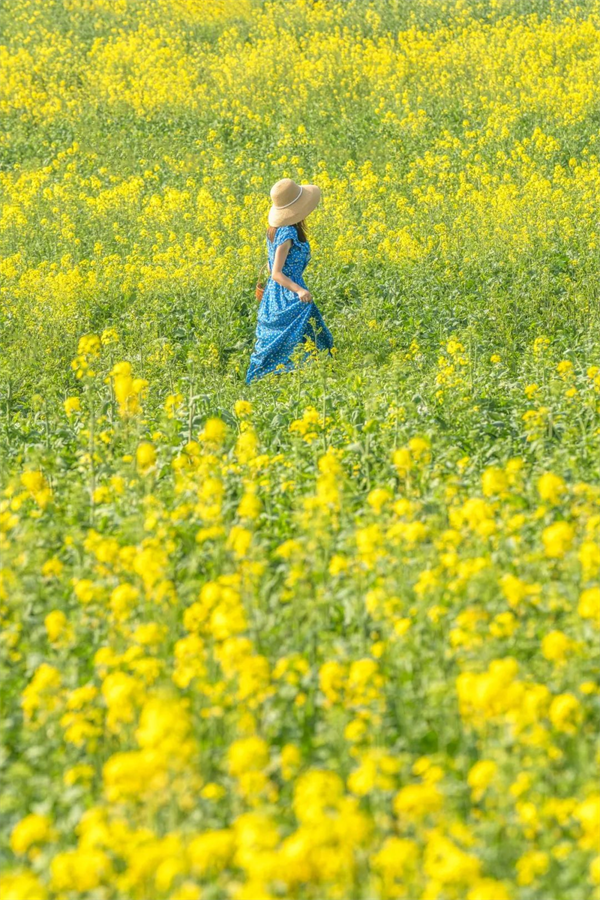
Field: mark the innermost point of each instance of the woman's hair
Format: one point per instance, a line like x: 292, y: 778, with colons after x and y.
x: 299, y: 226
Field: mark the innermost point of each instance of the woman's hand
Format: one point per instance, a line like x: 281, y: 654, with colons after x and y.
x: 304, y: 295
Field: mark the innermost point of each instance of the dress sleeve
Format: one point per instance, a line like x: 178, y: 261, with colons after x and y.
x: 283, y: 233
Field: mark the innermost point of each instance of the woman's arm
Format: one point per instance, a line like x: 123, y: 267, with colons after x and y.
x: 277, y: 275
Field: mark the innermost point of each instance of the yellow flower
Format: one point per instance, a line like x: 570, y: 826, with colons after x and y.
x: 355, y: 731
x: 173, y: 403
x: 557, y: 539
x: 589, y: 605
x: 42, y: 691
x: 493, y: 481
x: 213, y: 791
x: 288, y: 549
x: 109, y: 336
x: 476, y: 513
x: 489, y: 889
x: 149, y: 634
x: 214, y: 432
x: 22, y: 885
x: 551, y: 487
x: 127, y: 389
x: 587, y: 814
x: 56, y: 622
x: 503, y: 625
x: 395, y: 858
x: 362, y: 781
x: 89, y: 345
x: 211, y: 851
x: 589, y: 559
x: 247, y: 754
x: 565, y: 713
x: 122, y: 600
x: 145, y: 457
x: 72, y: 405
x: 338, y: 564
x: 119, y: 691
x: 540, y: 344
x: 101, y: 494
x: 564, y: 368
x: 117, y: 483
x: 481, y: 776
x: 555, y: 646
x: 401, y: 626
x: 417, y: 800
x: 255, y: 832
x: 291, y: 758
x: 420, y: 448
x: 314, y: 792
x: 246, y: 446
x: 250, y: 505
x: 242, y: 409
x: 164, y: 726
x: 447, y: 863
x: 85, y: 590
x: 33, y: 829
x: 530, y: 865
x: 402, y: 461
x: 239, y: 540
x: 453, y: 346
x: 79, y: 870
x: 52, y: 568
x: 36, y: 484
x: 377, y: 498
x: 80, y: 773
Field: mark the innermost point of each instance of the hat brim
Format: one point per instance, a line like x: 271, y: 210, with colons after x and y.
x: 306, y: 202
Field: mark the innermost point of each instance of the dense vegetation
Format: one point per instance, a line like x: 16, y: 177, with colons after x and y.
x: 333, y: 634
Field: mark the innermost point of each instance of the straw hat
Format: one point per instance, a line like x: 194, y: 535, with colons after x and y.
x: 292, y: 202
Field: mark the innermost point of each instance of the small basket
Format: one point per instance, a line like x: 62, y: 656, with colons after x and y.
x: 260, y: 287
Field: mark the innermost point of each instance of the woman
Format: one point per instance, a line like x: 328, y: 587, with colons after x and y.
x: 287, y: 305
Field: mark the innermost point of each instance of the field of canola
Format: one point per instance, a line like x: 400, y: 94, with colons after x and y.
x: 333, y: 636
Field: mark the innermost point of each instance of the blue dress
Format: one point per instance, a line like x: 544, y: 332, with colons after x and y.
x: 283, y: 319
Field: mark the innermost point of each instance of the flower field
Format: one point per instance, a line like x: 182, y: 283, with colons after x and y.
x: 333, y: 635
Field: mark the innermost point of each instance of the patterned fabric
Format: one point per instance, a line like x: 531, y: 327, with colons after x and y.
x: 283, y: 320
